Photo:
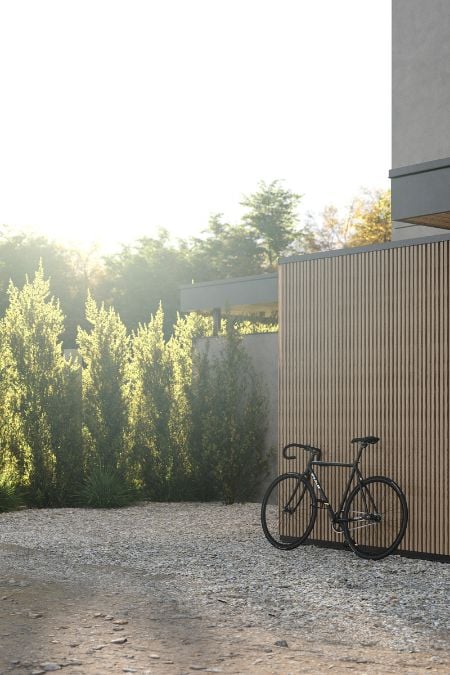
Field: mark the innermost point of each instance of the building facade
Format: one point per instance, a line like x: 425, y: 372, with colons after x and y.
x: 420, y: 174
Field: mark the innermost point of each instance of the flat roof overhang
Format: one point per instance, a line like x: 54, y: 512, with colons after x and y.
x: 357, y: 250
x: 244, y: 296
x: 421, y: 193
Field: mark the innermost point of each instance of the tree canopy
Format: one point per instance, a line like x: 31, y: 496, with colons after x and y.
x: 151, y: 270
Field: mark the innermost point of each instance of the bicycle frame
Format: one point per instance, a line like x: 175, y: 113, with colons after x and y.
x: 335, y: 516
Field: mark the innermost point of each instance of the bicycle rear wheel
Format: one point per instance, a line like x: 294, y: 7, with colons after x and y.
x: 375, y: 518
x: 288, y: 511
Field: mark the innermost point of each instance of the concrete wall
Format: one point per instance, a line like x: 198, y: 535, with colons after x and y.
x: 405, y: 231
x: 420, y: 81
x: 263, y: 350
x: 420, y: 112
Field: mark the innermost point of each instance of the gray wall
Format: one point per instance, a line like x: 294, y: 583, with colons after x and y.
x: 405, y: 231
x: 420, y: 81
x: 420, y: 106
x: 263, y: 350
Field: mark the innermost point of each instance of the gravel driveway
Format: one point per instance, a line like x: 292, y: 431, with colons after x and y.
x: 175, y: 588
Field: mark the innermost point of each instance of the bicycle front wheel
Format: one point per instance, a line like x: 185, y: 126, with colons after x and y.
x: 375, y: 518
x: 288, y: 511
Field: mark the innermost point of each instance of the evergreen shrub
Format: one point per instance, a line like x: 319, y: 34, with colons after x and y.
x: 10, y: 498
x: 229, y: 423
x: 105, y: 488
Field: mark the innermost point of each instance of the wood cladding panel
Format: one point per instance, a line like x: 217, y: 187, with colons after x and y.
x: 364, y: 349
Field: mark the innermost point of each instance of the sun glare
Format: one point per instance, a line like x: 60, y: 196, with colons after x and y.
x: 119, y: 118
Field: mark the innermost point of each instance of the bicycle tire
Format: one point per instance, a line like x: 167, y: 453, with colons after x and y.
x: 375, y: 517
x: 286, y: 527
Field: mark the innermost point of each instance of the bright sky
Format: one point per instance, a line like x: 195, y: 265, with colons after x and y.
x: 118, y: 117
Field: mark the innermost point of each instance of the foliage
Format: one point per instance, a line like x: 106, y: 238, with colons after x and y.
x: 202, y: 451
x: 34, y: 378
x: 69, y: 272
x: 150, y: 406
x: 187, y: 331
x: 105, y: 489
x: 333, y: 230
x: 10, y: 499
x: 271, y: 217
x: 225, y: 251
x: 105, y: 351
x: 229, y: 414
x: 140, y: 411
x: 250, y: 326
x: 65, y: 418
x: 368, y: 221
x: 371, y: 218
x: 140, y: 277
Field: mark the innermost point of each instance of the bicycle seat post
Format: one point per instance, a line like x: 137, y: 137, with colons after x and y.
x: 362, y: 446
x: 363, y: 443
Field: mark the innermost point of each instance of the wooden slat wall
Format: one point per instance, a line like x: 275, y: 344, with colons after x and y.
x: 364, y: 349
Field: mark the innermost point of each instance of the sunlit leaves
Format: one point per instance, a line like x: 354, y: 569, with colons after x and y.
x: 105, y: 351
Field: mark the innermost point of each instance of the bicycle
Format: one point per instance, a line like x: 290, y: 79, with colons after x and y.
x: 372, y: 517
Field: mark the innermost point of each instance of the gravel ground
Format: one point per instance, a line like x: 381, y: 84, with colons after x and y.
x: 197, y: 587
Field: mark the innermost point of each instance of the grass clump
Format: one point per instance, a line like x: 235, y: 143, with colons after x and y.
x: 106, y: 489
x: 10, y: 499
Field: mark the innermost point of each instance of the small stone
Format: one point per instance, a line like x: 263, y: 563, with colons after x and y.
x: 37, y: 672
x: 120, y: 622
x: 281, y: 643
x: 98, y: 648
x: 97, y: 615
x: 73, y: 662
x: 74, y: 644
x: 15, y: 662
x: 117, y: 628
x: 50, y: 666
x: 63, y: 628
x: 109, y: 618
x: 129, y: 670
x: 197, y: 667
x: 35, y: 615
x: 119, y: 641
x: 154, y: 656
x: 267, y: 650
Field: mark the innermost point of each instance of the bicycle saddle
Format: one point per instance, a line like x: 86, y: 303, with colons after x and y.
x: 370, y: 440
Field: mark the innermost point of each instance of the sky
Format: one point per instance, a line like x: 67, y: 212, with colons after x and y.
x: 119, y: 117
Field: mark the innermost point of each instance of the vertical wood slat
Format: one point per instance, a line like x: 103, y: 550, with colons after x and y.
x: 364, y: 348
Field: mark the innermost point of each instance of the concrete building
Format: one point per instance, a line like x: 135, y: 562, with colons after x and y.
x: 420, y: 173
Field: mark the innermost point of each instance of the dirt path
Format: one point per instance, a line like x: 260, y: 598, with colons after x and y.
x: 74, y: 627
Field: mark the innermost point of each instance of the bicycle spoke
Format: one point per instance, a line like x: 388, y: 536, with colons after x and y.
x: 376, y: 516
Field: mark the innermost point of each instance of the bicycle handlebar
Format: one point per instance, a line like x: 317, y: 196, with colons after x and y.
x: 315, y: 451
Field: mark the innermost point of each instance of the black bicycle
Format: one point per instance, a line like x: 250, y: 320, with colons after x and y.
x: 372, y: 517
